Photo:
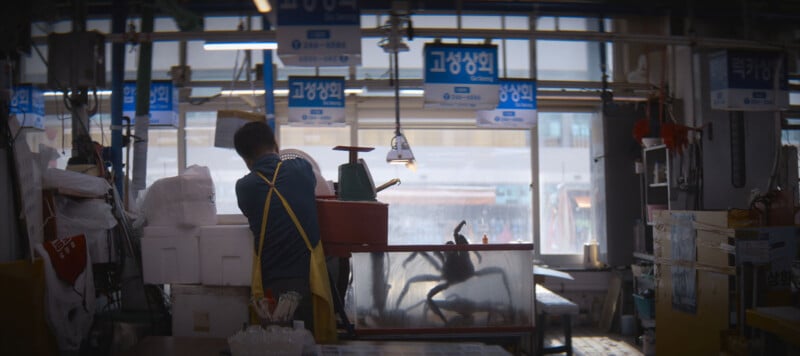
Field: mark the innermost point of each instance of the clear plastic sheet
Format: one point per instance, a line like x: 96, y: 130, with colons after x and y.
x: 442, y: 288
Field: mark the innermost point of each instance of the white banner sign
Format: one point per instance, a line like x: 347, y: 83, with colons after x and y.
x: 461, y: 76
x: 315, y: 33
x: 317, y: 101
x: 164, y: 109
x: 748, y: 81
x: 517, y: 106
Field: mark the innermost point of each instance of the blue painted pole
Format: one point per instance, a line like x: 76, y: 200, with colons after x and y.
x: 269, y: 85
x: 269, y: 80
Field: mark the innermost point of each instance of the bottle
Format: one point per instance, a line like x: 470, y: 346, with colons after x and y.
x: 485, y: 239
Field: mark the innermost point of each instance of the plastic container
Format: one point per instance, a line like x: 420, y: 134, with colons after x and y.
x: 646, y: 307
x: 627, y: 325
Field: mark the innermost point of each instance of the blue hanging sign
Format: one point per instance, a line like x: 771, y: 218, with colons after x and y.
x: 315, y: 33
x: 316, y: 101
x: 461, y: 76
x: 27, y: 104
x: 517, y: 106
x: 748, y: 80
x: 164, y: 109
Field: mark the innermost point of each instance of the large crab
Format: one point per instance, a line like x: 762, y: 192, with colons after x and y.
x: 455, y: 267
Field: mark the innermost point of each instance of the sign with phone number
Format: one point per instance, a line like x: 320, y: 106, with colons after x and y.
x: 748, y: 80
x: 316, y: 101
x: 319, y: 32
x: 27, y: 104
x: 163, y: 103
x: 517, y: 106
x: 461, y: 76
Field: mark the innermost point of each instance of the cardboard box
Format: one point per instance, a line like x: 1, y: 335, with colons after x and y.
x: 707, y: 242
x: 226, y: 255
x: 209, y: 311
x: 168, y: 260
x: 347, y: 223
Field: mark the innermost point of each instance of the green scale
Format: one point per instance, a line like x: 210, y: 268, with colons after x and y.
x: 355, y: 181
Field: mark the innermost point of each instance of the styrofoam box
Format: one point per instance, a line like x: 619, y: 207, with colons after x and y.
x: 170, y: 231
x: 170, y: 260
x: 209, y: 311
x: 226, y: 255
x: 231, y: 219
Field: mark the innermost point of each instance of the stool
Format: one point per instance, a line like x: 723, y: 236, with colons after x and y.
x: 550, y: 303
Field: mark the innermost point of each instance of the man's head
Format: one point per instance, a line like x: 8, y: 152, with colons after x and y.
x: 254, y: 140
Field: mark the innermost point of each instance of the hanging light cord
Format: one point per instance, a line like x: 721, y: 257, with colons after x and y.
x: 396, y: 93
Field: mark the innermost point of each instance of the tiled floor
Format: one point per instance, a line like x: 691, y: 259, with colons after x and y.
x: 587, y: 341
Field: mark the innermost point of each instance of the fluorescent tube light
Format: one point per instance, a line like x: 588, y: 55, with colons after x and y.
x: 230, y: 46
x: 412, y: 92
x: 60, y: 93
x: 242, y: 92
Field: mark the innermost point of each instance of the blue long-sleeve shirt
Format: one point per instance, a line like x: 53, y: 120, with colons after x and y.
x: 284, y: 254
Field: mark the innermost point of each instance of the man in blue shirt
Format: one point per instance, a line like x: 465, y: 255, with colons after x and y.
x: 284, y: 255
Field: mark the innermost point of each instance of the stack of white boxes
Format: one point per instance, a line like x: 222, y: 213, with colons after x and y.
x: 209, y: 270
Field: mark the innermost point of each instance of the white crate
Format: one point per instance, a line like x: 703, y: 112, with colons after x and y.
x: 209, y: 311
x: 226, y: 255
x: 170, y: 260
x: 170, y: 231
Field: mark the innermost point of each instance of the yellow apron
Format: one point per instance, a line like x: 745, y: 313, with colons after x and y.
x: 322, y: 300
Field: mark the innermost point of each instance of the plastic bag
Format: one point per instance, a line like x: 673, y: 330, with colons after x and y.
x: 186, y: 200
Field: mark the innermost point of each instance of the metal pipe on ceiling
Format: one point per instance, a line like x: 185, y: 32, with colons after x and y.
x: 700, y: 42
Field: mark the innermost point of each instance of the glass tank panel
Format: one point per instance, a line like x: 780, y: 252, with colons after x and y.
x: 456, y: 286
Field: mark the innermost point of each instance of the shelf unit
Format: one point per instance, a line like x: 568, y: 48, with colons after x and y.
x: 656, y: 178
x: 655, y: 182
x: 655, y: 194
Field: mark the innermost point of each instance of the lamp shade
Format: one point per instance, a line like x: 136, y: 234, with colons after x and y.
x: 400, y: 152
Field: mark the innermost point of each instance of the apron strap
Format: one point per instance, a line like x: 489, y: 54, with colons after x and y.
x: 271, y: 185
x: 319, y: 283
x: 286, y: 206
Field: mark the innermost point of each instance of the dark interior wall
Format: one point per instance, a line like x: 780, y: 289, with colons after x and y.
x: 615, y: 184
x: 9, y: 247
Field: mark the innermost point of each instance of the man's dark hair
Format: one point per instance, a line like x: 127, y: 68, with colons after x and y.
x: 253, y: 139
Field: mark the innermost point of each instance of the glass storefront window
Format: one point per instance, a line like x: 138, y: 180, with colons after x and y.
x: 480, y: 176
x: 564, y: 183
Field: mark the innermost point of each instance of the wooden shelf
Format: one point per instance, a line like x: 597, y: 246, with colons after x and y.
x: 644, y: 256
x: 656, y: 147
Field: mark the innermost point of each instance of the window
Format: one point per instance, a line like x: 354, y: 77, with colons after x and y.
x: 225, y: 165
x: 564, y: 184
x: 480, y: 176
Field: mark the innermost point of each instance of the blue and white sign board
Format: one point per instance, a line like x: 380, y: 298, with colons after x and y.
x: 164, y: 109
x: 316, y: 33
x: 748, y: 80
x: 317, y: 101
x: 27, y: 104
x: 461, y: 76
x: 517, y: 106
